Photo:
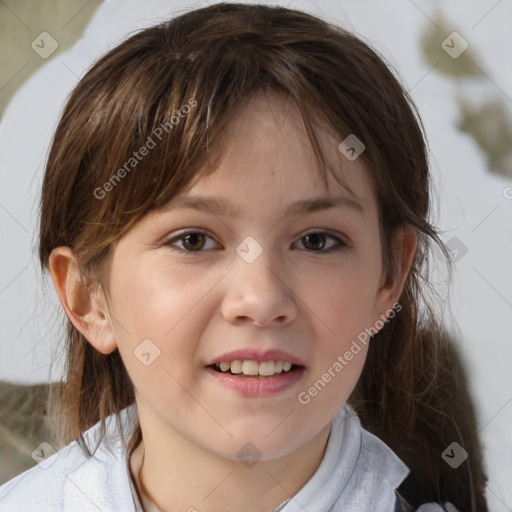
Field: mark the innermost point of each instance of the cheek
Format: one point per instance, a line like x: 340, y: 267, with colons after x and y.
x: 343, y: 301
x: 332, y: 380
x: 153, y: 301
x: 344, y: 307
x: 155, y: 296
x: 159, y: 334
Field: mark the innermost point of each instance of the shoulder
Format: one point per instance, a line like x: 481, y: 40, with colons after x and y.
x: 41, y: 487
x: 72, y: 480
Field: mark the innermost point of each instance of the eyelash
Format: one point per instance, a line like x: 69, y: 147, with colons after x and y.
x: 341, y: 245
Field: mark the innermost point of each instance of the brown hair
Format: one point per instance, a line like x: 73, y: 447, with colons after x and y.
x: 412, y: 392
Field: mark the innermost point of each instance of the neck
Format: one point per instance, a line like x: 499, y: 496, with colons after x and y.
x: 180, y: 476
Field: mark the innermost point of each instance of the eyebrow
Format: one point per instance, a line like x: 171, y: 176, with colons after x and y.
x: 223, y: 207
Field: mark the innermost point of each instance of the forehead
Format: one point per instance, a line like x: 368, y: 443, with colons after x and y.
x: 266, y: 152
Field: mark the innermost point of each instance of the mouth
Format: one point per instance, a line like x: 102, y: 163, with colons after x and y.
x: 252, y: 369
x: 257, y: 373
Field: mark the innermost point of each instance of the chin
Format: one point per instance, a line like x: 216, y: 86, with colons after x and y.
x: 266, y: 446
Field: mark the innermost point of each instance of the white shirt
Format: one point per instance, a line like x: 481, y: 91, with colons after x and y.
x: 358, y: 472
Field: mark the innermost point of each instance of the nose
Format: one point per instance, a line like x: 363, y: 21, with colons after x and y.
x: 258, y: 294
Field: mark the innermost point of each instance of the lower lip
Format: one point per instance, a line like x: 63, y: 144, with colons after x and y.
x: 257, y: 387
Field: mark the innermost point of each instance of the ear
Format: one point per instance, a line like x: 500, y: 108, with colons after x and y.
x: 86, y: 308
x: 404, y: 245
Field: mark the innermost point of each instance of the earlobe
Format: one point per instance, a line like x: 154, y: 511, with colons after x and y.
x: 404, y: 249
x: 404, y: 246
x: 84, y: 308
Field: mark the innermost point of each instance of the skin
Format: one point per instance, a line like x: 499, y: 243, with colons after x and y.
x: 195, y: 306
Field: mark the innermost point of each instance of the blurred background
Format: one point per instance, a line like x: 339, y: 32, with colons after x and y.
x: 455, y: 60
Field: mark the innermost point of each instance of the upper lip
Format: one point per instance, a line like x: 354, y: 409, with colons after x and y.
x: 257, y: 355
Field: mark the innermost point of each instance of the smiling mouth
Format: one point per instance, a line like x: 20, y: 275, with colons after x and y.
x: 255, y: 369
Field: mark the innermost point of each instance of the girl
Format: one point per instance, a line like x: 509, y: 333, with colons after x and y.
x: 235, y: 218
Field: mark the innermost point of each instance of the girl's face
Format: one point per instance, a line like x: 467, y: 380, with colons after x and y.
x: 260, y: 263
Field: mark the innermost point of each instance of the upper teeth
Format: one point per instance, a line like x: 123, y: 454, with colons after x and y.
x: 250, y: 367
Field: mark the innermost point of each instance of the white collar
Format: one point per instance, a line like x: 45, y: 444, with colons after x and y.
x: 358, y: 471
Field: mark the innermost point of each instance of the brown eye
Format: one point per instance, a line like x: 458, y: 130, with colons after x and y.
x: 191, y: 241
x: 316, y: 242
x: 194, y: 241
